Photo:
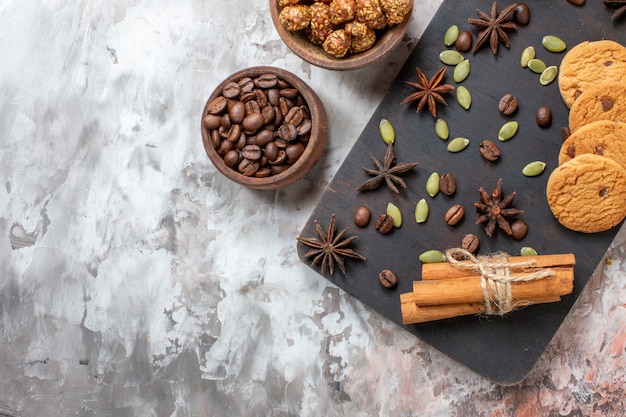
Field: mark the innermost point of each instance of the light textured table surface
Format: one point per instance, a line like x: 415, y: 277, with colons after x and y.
x: 137, y: 281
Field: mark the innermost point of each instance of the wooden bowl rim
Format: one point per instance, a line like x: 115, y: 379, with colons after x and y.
x: 315, y: 55
x: 314, y: 148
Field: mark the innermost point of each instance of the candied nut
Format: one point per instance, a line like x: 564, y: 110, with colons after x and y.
x: 295, y: 17
x: 362, y: 43
x: 371, y: 13
x: 342, y: 11
x: 321, y: 26
x: 337, y: 43
x: 396, y: 10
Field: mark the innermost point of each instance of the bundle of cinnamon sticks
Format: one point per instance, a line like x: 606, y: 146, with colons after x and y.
x: 487, y: 286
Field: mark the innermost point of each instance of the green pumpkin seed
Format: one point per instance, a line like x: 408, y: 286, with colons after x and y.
x: 432, y: 256
x: 528, y: 251
x: 458, y: 144
x: 451, y: 57
x: 548, y: 75
x: 534, y: 168
x: 464, y: 97
x: 508, y: 130
x: 421, y: 211
x: 536, y: 65
x: 450, y: 36
x: 461, y: 71
x: 394, y: 212
x: 553, y: 43
x: 432, y: 184
x: 441, y: 129
x: 527, y: 54
x: 387, y: 132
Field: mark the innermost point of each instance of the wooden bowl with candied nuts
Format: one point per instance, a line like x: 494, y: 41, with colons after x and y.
x: 263, y: 127
x: 341, y: 34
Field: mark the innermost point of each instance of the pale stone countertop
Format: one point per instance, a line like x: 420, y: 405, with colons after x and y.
x: 136, y: 281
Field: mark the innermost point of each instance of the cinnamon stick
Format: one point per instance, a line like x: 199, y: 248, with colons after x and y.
x: 413, y: 314
x: 467, y: 289
x: 445, y: 270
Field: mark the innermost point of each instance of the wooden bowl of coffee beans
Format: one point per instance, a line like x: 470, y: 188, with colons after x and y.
x: 263, y: 127
x: 341, y: 34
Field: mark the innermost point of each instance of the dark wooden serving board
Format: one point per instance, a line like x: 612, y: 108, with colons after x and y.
x: 503, y: 349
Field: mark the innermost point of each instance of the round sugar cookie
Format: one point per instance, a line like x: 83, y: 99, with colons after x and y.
x: 587, y: 194
x: 603, y: 101
x: 589, y: 63
x: 604, y: 137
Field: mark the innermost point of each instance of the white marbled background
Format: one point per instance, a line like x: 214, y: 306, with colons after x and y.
x: 137, y: 281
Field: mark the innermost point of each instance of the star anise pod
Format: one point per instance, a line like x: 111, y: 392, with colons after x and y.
x: 330, y: 248
x: 388, y: 171
x: 619, y: 5
x: 492, y: 28
x: 428, y: 91
x: 493, y: 210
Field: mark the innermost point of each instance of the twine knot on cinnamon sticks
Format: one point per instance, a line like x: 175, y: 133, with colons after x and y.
x: 496, y: 278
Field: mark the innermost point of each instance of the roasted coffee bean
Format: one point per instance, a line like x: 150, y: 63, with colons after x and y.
x: 267, y: 81
x: 271, y: 151
x: 294, y: 116
x: 211, y: 121
x: 261, y: 98
x: 489, y: 150
x: 278, y: 119
x: 216, y: 139
x: 294, y: 151
x: 264, y: 137
x: 248, y: 167
x: 519, y: 229
x: 280, y: 159
x: 281, y: 143
x: 454, y: 215
x: 285, y: 105
x: 231, y: 158
x: 252, y: 122
x: 576, y: 2
x: 237, y: 112
x: 224, y: 147
x: 233, y: 133
x: 226, y: 122
x: 263, y: 172
x: 362, y: 216
x: 246, y: 84
x: 218, y: 105
x: 304, y: 128
x: 248, y: 96
x: 384, y: 224
x: 242, y: 141
x: 447, y: 184
x: 543, y: 116
x: 252, y: 107
x: 231, y: 90
x: 289, y: 93
x: 464, y: 41
x: 521, y: 14
x: 251, y: 152
x: 387, y: 278
x: 287, y: 132
x: 277, y: 169
x: 470, y: 243
x: 273, y: 94
x: 508, y: 104
x: 268, y: 114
